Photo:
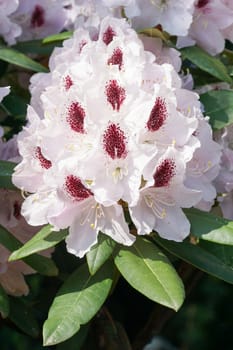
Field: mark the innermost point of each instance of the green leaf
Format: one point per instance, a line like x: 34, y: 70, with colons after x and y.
x: 198, y: 257
x: 15, y: 105
x: 4, y: 303
x: 210, y: 227
x: 57, y: 37
x: 98, y: 254
x: 155, y: 33
x: 149, y: 271
x: 112, y: 332
x: 34, y: 46
x: 6, y: 171
x: 76, y: 342
x: 44, y: 239
x: 222, y: 252
x: 8, y: 240
x: 206, y: 62
x: 23, y: 317
x: 219, y: 107
x: 41, y: 264
x: 19, y: 59
x: 78, y: 300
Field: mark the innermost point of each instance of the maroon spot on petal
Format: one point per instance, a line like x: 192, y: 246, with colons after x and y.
x: 68, y: 82
x: 17, y: 210
x: 45, y: 163
x: 202, y: 3
x: 75, y: 117
x: 38, y: 17
x: 158, y: 115
x: 114, y: 142
x: 116, y: 58
x: 108, y: 35
x: 82, y: 44
x: 164, y: 173
x: 76, y: 189
x: 115, y: 94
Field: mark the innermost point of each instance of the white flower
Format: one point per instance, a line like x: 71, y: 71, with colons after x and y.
x: 39, y: 19
x: 175, y: 17
x: 8, y: 29
x: 159, y: 206
x: 212, y: 23
x: 114, y: 133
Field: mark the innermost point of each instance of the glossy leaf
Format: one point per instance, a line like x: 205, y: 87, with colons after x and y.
x: 6, y: 171
x: 222, y: 252
x: 76, y: 342
x: 44, y: 239
x: 8, y: 240
x: 41, y: 264
x: 23, y: 317
x: 98, y: 254
x: 34, y: 46
x: 206, y: 62
x: 78, y: 300
x: 149, y: 271
x: 210, y: 227
x: 219, y: 107
x: 19, y: 59
x: 16, y: 106
x: 4, y: 303
x: 198, y: 257
x: 57, y: 37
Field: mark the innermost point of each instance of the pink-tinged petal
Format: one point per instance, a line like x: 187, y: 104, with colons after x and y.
x: 226, y: 204
x: 143, y: 217
x: 82, y: 236
x: 174, y: 226
x: 115, y: 226
x: 38, y: 208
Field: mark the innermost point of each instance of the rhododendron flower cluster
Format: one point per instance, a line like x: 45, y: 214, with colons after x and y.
x: 102, y: 142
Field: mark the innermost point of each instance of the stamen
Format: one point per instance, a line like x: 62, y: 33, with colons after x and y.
x: 151, y: 203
